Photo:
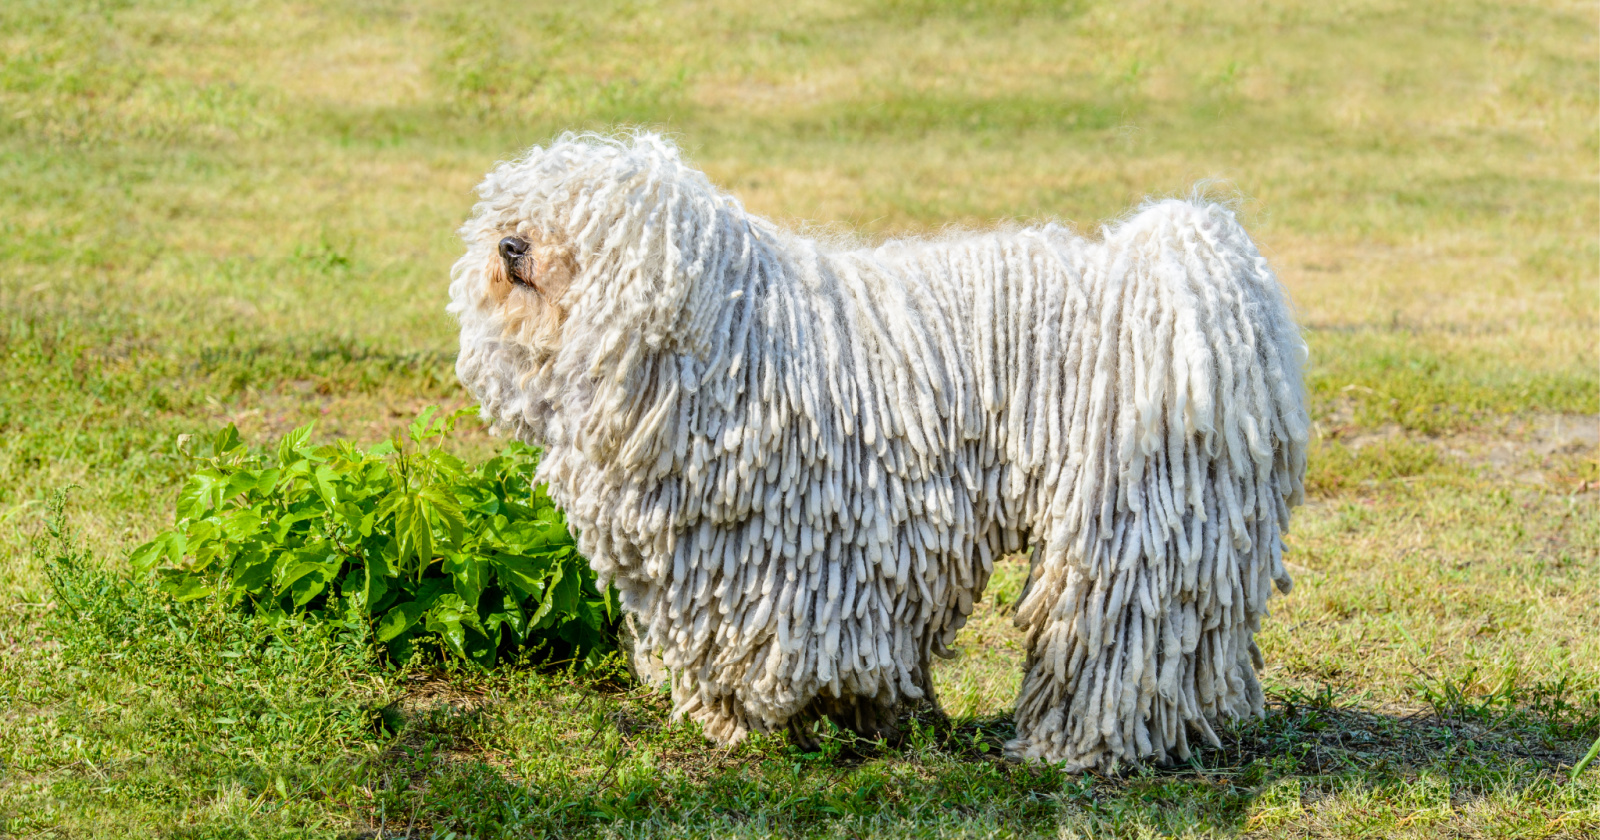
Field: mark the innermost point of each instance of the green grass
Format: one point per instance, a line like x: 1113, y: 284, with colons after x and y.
x: 244, y: 213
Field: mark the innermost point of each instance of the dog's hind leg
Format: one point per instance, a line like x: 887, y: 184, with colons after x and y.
x: 1155, y: 579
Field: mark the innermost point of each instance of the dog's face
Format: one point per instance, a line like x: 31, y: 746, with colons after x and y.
x: 514, y: 282
x: 511, y: 294
x: 525, y: 278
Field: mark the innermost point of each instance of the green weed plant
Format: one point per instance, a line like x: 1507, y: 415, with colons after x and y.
x: 474, y: 561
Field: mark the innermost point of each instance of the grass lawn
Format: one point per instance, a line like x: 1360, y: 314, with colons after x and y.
x: 245, y: 212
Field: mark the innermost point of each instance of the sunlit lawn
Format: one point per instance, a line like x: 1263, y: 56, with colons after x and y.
x: 245, y: 213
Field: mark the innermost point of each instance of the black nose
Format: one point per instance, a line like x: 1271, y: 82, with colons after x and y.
x: 512, y: 247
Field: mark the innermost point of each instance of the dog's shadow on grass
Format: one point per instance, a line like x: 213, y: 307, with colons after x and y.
x: 1308, y: 747
x: 1313, y: 746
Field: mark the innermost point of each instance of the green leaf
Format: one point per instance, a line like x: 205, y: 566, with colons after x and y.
x: 400, y: 618
x: 566, y: 590
x: 466, y: 575
x: 432, y: 589
x: 306, y: 579
x: 535, y: 537
x: 390, y: 506
x: 289, y: 448
x: 510, y: 615
x: 374, y: 576
x: 549, y: 612
x: 591, y: 612
x: 447, y: 464
x: 448, y: 511
x: 580, y: 635
x: 447, y: 618
x: 285, y: 524
x: 251, y: 573
x: 411, y: 527
x: 489, y: 504
x: 420, y: 536
x: 355, y: 517
x: 419, y: 427
x: 205, y: 542
x: 241, y: 525
x: 187, y: 587
x: 239, y: 484
x: 195, y: 499
x: 168, y: 547
x: 226, y: 441
x: 145, y: 557
x: 544, y: 508
x: 322, y: 479
x: 523, y: 575
x: 482, y: 647
x: 266, y: 481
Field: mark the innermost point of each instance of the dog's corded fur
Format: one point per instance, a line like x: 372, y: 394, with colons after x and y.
x: 798, y: 463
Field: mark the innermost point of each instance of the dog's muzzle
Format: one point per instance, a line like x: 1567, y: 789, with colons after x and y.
x: 511, y: 250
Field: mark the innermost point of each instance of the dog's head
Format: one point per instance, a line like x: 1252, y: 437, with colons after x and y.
x: 510, y: 290
x: 582, y: 258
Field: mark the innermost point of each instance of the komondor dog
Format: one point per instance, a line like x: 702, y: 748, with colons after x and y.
x: 798, y: 461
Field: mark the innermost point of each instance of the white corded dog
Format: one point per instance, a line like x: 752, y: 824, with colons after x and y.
x: 798, y: 462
